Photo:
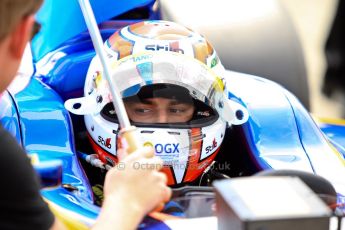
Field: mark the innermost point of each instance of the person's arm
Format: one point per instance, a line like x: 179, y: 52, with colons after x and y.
x: 133, y: 189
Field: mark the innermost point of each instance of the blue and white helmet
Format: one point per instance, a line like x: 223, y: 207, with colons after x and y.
x: 186, y: 149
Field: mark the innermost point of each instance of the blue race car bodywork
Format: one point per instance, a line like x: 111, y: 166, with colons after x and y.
x: 279, y: 134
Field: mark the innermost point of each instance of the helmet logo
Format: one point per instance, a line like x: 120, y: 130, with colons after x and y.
x: 148, y: 144
x: 167, y: 47
x: 204, y: 113
x: 164, y: 148
x: 106, y: 142
x: 211, y: 147
x: 214, y: 62
x: 167, y: 148
x: 141, y: 57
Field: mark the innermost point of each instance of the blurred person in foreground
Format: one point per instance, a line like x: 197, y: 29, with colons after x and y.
x: 126, y: 201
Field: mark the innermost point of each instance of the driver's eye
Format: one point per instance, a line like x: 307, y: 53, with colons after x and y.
x: 142, y: 110
x: 176, y: 110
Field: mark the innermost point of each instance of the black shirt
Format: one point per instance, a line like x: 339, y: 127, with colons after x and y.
x: 21, y: 205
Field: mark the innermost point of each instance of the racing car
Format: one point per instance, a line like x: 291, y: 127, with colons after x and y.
x: 279, y: 134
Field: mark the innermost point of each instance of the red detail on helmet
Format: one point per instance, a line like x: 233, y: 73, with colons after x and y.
x: 214, y: 143
x: 196, y: 168
x: 170, y: 175
x: 107, y: 142
x: 103, y: 155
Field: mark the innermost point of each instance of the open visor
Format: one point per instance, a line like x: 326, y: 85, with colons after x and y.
x: 135, y: 71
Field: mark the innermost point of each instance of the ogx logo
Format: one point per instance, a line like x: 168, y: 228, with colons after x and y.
x: 164, y: 148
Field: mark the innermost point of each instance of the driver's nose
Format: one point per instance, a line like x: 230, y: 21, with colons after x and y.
x: 162, y: 117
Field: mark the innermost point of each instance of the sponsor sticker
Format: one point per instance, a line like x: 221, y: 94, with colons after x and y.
x: 105, y: 142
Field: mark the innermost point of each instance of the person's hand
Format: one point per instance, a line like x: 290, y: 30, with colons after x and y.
x: 135, y: 186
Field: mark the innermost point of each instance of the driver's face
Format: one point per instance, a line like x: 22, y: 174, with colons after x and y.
x: 159, y: 110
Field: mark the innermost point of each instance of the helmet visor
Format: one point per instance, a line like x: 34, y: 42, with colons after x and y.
x: 164, y: 105
x: 192, y: 80
x: 182, y: 80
